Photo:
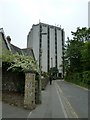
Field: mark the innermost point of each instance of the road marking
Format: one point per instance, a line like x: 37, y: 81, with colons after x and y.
x: 63, y: 109
x: 72, y: 110
x: 67, y: 102
x: 29, y: 115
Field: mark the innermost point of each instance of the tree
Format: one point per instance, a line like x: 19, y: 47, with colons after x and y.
x: 53, y: 71
x: 77, y: 58
x: 73, y: 56
x: 86, y: 56
x: 81, y: 34
x: 76, y: 50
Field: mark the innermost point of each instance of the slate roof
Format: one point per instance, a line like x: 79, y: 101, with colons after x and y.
x: 29, y: 52
x: 5, y: 43
x: 14, y: 49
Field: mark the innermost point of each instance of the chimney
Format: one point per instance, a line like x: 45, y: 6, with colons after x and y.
x: 8, y: 39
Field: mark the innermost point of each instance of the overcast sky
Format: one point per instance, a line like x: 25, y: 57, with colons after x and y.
x: 18, y: 16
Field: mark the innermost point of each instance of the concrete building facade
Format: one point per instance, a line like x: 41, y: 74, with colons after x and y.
x: 47, y: 42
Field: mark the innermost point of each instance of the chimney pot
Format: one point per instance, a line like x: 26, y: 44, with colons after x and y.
x: 8, y: 39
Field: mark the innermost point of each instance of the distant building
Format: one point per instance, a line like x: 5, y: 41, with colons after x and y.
x: 47, y: 42
x: 89, y: 14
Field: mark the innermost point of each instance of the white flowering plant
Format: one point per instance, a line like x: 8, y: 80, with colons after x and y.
x: 20, y: 62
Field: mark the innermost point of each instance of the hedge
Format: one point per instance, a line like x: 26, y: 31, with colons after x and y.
x: 82, y: 79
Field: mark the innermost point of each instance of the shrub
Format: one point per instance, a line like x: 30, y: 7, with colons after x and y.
x: 86, y: 77
x: 82, y: 79
x: 19, y: 63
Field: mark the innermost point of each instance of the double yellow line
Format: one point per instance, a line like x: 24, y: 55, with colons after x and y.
x: 69, y: 112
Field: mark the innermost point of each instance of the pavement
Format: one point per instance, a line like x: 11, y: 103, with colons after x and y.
x: 0, y: 110
x: 9, y: 111
x: 56, y: 103
x: 51, y: 106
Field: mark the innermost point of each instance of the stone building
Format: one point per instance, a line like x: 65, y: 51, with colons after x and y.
x: 10, y: 80
x: 7, y: 45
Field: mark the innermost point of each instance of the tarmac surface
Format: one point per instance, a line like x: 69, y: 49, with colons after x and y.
x: 59, y: 100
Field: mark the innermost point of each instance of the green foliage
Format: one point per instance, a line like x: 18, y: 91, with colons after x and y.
x: 73, y: 56
x: 44, y: 74
x: 7, y: 56
x: 20, y: 62
x: 81, y: 34
x: 86, y: 56
x: 82, y: 79
x: 86, y: 77
x: 53, y: 72
x: 77, y: 57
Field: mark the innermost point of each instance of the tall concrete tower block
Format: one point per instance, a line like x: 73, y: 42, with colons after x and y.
x: 47, y: 42
x: 89, y: 14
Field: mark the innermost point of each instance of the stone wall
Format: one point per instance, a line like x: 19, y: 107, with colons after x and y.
x: 12, y: 81
x: 25, y: 82
x: 0, y: 78
x: 36, y: 92
x: 44, y: 82
x: 29, y: 96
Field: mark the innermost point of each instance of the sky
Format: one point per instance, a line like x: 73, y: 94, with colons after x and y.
x: 89, y: 14
x: 18, y: 16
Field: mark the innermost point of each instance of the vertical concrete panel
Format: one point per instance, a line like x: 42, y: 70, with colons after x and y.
x: 52, y: 47
x: 33, y: 41
x: 44, y: 49
x: 30, y: 39
x: 0, y: 44
x: 29, y: 98
x: 89, y: 14
x: 59, y: 50
x: 36, y: 42
x: 0, y: 76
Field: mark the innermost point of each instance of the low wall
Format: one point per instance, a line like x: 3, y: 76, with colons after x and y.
x: 12, y: 81
x: 23, y: 83
x: 29, y: 96
x: 44, y: 82
x: 0, y: 78
x: 36, y: 92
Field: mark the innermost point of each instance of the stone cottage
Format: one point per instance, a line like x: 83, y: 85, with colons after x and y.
x: 29, y: 77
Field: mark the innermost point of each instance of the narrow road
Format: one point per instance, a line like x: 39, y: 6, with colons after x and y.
x: 59, y: 100
x: 76, y: 96
x: 62, y: 100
